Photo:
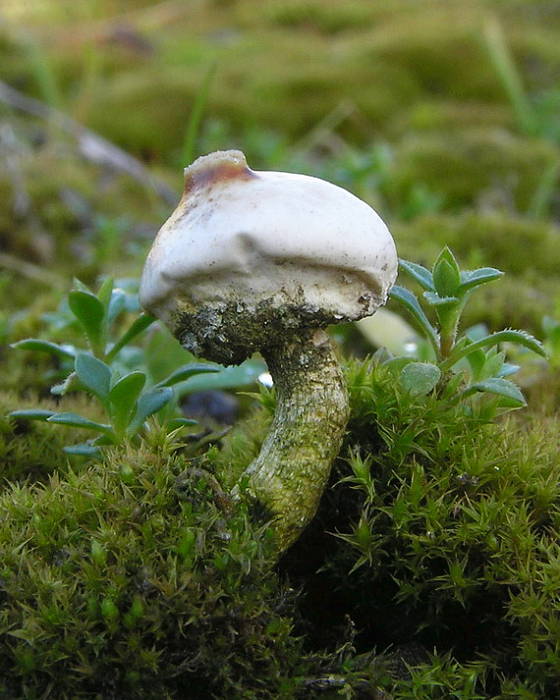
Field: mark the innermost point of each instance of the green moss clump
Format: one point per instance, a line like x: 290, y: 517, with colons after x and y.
x: 241, y: 446
x: 473, y: 168
x: 143, y: 97
x: 445, y: 534
x: 327, y: 19
x: 28, y: 451
x: 516, y: 245
x: 137, y: 578
x: 436, y: 114
x: 423, y: 38
x: 31, y: 451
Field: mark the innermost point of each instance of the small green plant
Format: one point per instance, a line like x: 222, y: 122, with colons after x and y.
x: 472, y: 357
x: 126, y: 397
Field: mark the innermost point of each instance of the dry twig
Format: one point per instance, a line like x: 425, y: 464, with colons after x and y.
x: 92, y: 146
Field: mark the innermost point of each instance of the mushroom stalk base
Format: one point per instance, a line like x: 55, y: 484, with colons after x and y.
x: 290, y: 474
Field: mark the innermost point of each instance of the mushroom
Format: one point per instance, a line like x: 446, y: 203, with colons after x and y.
x: 264, y: 261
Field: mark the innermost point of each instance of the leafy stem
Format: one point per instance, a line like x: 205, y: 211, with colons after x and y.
x: 447, y: 290
x: 125, y: 396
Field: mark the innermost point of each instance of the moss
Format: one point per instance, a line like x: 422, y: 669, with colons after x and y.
x: 141, y: 96
x: 449, y: 541
x: 28, y: 450
x: 447, y: 525
x: 441, y: 114
x: 31, y: 451
x: 507, y: 242
x: 542, y: 387
x: 296, y: 87
x: 423, y: 40
x: 240, y: 447
x: 525, y: 249
x: 446, y: 539
x: 25, y: 375
x: 473, y: 168
x: 323, y: 18
x: 380, y: 58
x: 136, y: 584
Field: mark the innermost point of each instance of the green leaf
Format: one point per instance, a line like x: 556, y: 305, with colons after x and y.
x: 83, y: 449
x: 483, y: 275
x: 124, y: 387
x: 187, y: 371
x: 410, y: 302
x: 477, y: 360
x: 446, y: 274
x: 80, y: 286
x: 507, y: 336
x: 116, y: 305
x: 77, y: 421
x: 105, y: 292
x: 62, y: 351
x: 149, y: 403
x: 500, y: 387
x: 447, y: 255
x: 139, y: 325
x: 71, y: 382
x: 419, y: 273
x: 176, y: 423
x: 90, y: 312
x: 508, y: 369
x: 94, y: 374
x: 445, y: 280
x: 493, y: 364
x: 105, y: 439
x: 123, y: 397
x: 419, y: 378
x: 396, y: 364
x: 32, y: 414
x: 437, y: 300
x: 232, y: 377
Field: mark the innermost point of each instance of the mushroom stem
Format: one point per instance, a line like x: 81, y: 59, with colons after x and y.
x: 290, y: 474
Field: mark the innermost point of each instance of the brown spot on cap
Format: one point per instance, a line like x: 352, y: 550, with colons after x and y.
x: 217, y: 167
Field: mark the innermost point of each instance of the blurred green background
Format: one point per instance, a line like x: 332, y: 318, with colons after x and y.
x: 443, y: 115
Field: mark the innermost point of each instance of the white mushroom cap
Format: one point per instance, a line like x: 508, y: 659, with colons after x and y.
x: 286, y: 250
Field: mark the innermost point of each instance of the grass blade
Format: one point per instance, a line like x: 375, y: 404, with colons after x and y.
x: 195, y: 118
